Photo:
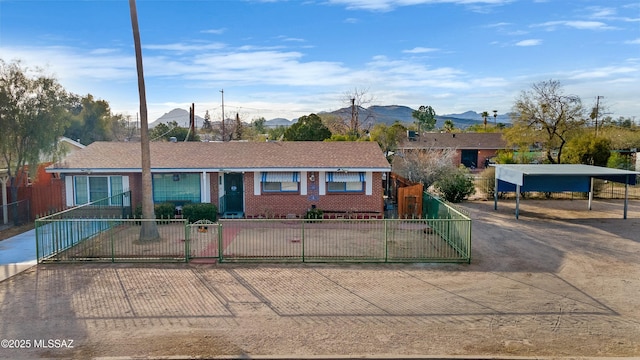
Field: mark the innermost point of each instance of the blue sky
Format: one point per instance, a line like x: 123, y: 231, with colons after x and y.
x: 292, y: 58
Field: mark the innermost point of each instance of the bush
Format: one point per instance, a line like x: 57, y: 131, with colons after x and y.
x: 487, y: 182
x: 456, y: 186
x: 164, y: 210
x: 202, y: 211
x: 314, y: 213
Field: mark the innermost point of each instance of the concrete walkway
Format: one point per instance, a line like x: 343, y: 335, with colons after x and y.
x: 17, y: 254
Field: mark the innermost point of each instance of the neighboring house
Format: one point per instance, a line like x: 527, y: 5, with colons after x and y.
x: 244, y: 179
x: 69, y: 146
x: 473, y: 150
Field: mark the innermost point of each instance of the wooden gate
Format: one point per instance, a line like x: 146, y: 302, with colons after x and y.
x: 410, y: 201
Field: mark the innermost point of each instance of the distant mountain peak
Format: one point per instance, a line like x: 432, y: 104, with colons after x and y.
x: 180, y: 116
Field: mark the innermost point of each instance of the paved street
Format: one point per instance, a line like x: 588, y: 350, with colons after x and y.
x: 17, y: 254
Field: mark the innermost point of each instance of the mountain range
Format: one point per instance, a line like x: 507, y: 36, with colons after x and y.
x: 367, y: 117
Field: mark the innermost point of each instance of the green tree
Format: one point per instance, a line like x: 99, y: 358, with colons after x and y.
x: 545, y: 115
x: 238, y: 131
x: 276, y: 133
x: 34, y: 110
x: 587, y: 149
x: 485, y: 115
x: 425, y: 118
x: 388, y: 137
x: 448, y: 126
x: 259, y: 125
x: 92, y: 121
x: 206, y: 124
x: 164, y: 132
x: 307, y: 128
x: 456, y: 185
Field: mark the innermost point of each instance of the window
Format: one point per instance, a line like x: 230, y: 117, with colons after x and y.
x: 176, y: 187
x: 280, y: 186
x: 345, y: 182
x: 280, y: 182
x: 94, y: 188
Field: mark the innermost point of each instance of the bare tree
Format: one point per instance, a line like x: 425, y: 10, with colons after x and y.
x: 357, y: 100
x: 424, y: 166
x: 547, y: 116
x: 149, y: 229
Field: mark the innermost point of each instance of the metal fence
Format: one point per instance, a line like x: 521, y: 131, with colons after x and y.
x: 111, y: 240
x: 15, y: 213
x: 443, y: 237
x: 602, y: 189
x: 116, y: 206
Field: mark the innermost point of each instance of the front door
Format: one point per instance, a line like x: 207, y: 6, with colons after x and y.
x: 233, y: 191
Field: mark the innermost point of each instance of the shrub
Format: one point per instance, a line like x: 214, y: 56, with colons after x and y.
x: 164, y: 210
x: 201, y: 211
x: 314, y: 213
x: 456, y: 186
x: 486, y: 182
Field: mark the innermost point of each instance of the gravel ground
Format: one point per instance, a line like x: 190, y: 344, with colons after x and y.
x: 561, y: 281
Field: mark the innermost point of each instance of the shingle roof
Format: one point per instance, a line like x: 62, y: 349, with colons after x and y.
x: 457, y: 141
x: 227, y: 155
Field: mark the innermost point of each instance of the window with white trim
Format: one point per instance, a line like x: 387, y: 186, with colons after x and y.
x: 176, y: 187
x: 286, y: 182
x: 94, y: 188
x: 338, y: 182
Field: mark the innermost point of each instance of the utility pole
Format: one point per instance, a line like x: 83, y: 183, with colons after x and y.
x: 597, y: 110
x: 222, y: 92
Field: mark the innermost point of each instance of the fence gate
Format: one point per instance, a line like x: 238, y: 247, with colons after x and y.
x: 203, y: 237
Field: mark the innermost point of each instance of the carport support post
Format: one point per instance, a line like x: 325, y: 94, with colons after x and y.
x: 495, y: 194
x: 626, y: 196
x: 590, y: 191
x: 517, y: 200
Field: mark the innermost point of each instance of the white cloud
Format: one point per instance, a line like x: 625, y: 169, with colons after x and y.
x: 529, y: 42
x: 576, y: 24
x: 388, y: 5
x: 214, y: 31
x: 604, y: 72
x: 419, y: 50
x: 633, y: 42
x: 183, y: 47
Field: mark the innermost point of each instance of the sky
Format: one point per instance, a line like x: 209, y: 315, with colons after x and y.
x: 292, y: 58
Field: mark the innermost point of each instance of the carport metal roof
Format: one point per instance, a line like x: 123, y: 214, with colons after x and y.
x: 557, y: 177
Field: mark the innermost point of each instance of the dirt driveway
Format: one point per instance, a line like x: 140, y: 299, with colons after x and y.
x: 560, y: 281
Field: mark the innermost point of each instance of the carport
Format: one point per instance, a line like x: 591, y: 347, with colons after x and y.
x: 557, y: 178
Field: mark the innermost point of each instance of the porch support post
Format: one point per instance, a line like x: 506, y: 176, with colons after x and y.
x: 3, y: 181
x: 205, y: 186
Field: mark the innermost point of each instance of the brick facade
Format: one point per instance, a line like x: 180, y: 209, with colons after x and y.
x: 288, y: 204
x: 283, y: 205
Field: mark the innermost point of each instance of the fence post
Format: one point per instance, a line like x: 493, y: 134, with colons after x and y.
x: 37, y: 222
x: 220, y: 238
x: 113, y: 250
x: 187, y: 239
x: 386, y: 240
x: 302, y: 241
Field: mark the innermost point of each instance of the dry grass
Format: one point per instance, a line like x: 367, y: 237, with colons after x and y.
x: 15, y: 230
